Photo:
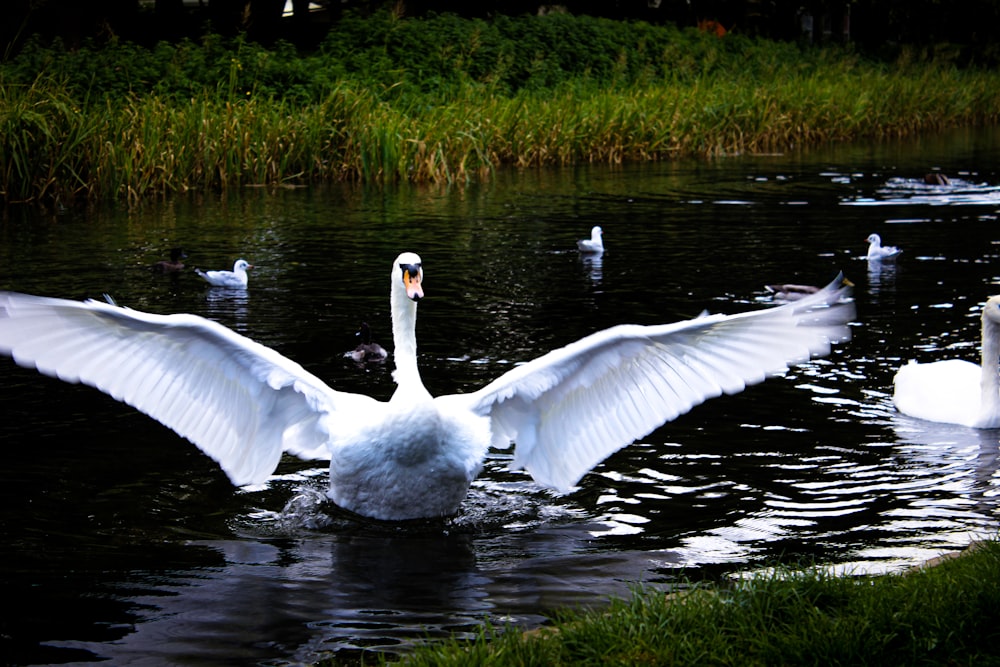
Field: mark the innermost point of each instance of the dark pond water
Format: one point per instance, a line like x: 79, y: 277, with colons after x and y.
x: 122, y: 542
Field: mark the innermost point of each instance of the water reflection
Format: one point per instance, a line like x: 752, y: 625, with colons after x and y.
x: 364, y: 591
x: 230, y: 307
x: 593, y: 264
x: 881, y: 278
x: 958, y: 191
x: 125, y: 543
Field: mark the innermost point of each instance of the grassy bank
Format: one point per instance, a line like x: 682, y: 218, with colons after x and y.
x: 943, y: 615
x: 443, y: 100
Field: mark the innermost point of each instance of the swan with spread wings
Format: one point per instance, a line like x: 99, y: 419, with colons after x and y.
x: 413, y: 456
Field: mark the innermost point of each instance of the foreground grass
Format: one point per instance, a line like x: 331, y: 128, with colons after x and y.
x: 445, y: 100
x: 943, y: 615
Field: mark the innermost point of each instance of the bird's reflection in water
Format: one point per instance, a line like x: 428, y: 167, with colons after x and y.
x: 354, y: 586
x: 230, y: 307
x: 593, y: 264
x: 881, y: 278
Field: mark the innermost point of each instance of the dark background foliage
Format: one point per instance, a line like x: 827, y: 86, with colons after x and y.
x: 874, y: 25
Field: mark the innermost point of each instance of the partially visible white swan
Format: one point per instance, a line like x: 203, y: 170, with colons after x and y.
x: 595, y: 243
x: 879, y: 252
x: 413, y: 456
x: 236, y: 278
x: 956, y: 391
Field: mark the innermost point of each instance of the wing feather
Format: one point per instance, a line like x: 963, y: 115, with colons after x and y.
x: 242, y: 403
x: 573, y: 407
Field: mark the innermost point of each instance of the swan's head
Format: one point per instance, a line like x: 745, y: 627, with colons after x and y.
x: 874, y: 238
x: 596, y: 232
x: 241, y: 265
x: 408, y: 271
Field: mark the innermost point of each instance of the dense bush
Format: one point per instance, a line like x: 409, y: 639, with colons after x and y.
x: 437, y: 55
x: 442, y: 99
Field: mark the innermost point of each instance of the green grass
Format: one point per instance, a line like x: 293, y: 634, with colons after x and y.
x: 444, y: 99
x: 943, y: 615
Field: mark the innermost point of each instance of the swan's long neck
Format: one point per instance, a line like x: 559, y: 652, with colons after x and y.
x: 404, y: 335
x: 990, y: 381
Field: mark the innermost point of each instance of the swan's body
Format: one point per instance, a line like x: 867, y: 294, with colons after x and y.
x: 956, y: 391
x: 414, y: 456
x: 594, y: 244
x: 367, y: 351
x: 237, y: 278
x: 879, y: 252
x: 172, y: 265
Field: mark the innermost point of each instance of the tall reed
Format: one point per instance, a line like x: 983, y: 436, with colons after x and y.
x: 57, y: 144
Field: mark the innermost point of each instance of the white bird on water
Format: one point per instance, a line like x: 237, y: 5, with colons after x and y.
x: 595, y: 243
x: 236, y: 278
x: 413, y: 456
x: 879, y: 252
x: 955, y: 391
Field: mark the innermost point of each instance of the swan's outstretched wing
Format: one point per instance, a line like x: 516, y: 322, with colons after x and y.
x: 240, y: 402
x: 570, y: 409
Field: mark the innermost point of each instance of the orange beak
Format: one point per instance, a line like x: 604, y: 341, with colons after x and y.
x: 412, y: 277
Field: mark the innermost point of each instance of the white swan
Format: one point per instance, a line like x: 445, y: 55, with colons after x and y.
x: 956, y: 391
x: 414, y: 456
x: 594, y: 244
x: 879, y: 252
x: 236, y: 278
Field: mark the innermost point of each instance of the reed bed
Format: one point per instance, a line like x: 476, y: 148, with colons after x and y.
x: 714, y: 99
x: 948, y: 614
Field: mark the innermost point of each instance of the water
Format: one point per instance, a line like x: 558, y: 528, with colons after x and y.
x: 123, y: 542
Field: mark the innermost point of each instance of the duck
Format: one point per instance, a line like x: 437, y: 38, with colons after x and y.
x: 793, y: 291
x: 413, y: 456
x: 367, y: 350
x: 595, y: 244
x: 174, y: 264
x: 237, y: 278
x: 955, y: 391
x: 790, y: 291
x: 879, y: 252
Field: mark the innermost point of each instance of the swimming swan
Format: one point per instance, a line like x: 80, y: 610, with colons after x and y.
x: 878, y: 252
x: 236, y: 278
x: 594, y: 244
x: 956, y: 391
x: 413, y: 456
